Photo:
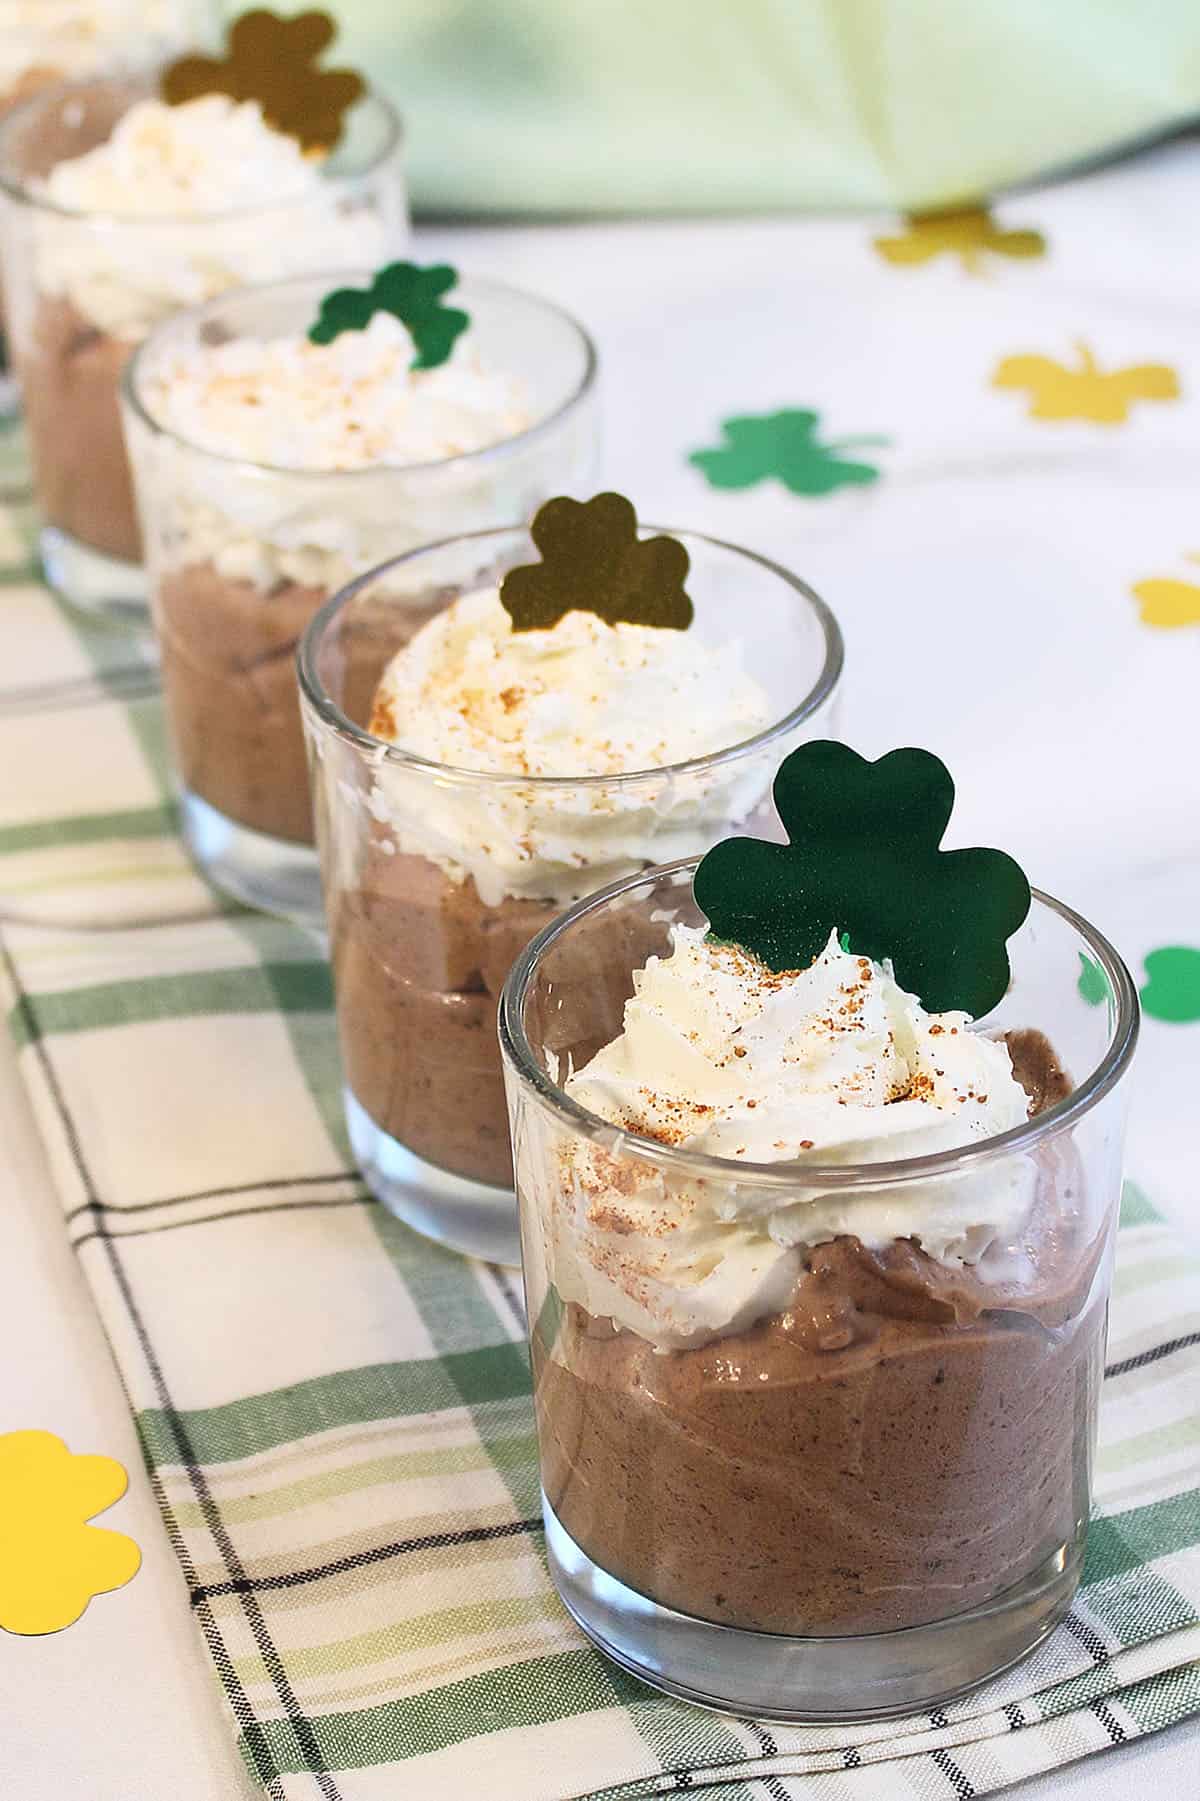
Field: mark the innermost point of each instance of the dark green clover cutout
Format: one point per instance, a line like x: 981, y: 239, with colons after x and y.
x: 784, y: 447
x: 593, y: 561
x: 411, y: 294
x: 863, y: 858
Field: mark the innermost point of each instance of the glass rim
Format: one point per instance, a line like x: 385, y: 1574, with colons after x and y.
x: 315, y: 694
x: 22, y: 194
x: 790, y: 1175
x: 463, y: 459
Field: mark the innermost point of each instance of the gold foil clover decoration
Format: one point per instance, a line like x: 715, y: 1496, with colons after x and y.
x: 272, y: 60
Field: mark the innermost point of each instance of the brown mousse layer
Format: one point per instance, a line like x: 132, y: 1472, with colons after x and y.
x: 419, y: 962
x: 71, y: 382
x: 229, y: 677
x: 901, y: 1443
x: 228, y: 652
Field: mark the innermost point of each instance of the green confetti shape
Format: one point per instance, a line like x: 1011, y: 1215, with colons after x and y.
x: 784, y: 447
x: 1171, y: 991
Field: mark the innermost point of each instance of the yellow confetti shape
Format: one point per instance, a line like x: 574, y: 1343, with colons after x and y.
x: 1168, y: 603
x: 1086, y: 392
x: 51, y: 1561
x: 969, y: 233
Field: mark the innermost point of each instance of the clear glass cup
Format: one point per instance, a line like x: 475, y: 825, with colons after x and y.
x: 84, y: 288
x: 46, y: 42
x: 240, y: 556
x: 877, y: 1495
x: 420, y: 947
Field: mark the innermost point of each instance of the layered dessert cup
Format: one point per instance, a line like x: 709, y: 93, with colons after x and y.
x: 817, y: 1285
x: 116, y: 210
x: 471, y: 780
x: 44, y: 43
x: 270, y: 470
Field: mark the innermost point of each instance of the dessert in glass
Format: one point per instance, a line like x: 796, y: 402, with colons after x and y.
x: 118, y: 208
x: 472, y: 777
x: 271, y: 468
x: 46, y: 42
x: 817, y: 1282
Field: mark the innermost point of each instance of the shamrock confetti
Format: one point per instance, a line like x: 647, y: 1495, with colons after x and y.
x: 1168, y: 603
x: 593, y: 561
x: 863, y: 857
x: 272, y: 60
x: 51, y: 1561
x: 969, y: 233
x: 411, y: 294
x: 1171, y: 991
x: 1093, y: 983
x: 785, y: 447
x: 1087, y: 392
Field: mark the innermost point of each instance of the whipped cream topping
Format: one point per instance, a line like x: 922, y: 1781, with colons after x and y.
x: 210, y: 155
x: 584, y: 698
x: 834, y: 1064
x: 68, y: 40
x: 345, y: 405
x: 207, y: 197
x: 352, y: 405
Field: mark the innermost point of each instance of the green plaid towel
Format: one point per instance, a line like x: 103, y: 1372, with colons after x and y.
x: 336, y: 1415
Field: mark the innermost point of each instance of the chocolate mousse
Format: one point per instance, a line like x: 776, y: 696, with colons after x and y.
x: 899, y: 1443
x: 419, y: 961
x: 238, y: 572
x: 71, y: 378
x: 229, y: 677
x: 458, y: 876
x: 816, y: 1259
x: 130, y: 208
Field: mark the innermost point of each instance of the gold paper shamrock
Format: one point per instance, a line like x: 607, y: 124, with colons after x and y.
x: 969, y: 233
x: 51, y: 1561
x: 271, y: 60
x: 1167, y: 602
x: 1087, y: 392
x: 593, y: 561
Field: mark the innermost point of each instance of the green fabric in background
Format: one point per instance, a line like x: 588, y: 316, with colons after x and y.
x: 535, y: 106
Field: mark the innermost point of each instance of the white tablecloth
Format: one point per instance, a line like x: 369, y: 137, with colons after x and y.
x: 122, y: 1706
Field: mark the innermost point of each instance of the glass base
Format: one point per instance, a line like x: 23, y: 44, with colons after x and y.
x: 272, y: 874
x: 102, y: 586
x: 860, y: 1677
x: 471, y: 1217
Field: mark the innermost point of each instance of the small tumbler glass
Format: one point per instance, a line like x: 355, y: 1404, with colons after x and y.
x: 423, y: 865
x: 241, y: 555
x: 46, y: 42
x: 876, y: 1496
x: 84, y: 288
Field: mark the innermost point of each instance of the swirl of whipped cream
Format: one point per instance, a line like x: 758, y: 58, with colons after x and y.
x: 66, y: 40
x: 834, y: 1064
x: 356, y: 403
x: 181, y: 176
x: 584, y: 698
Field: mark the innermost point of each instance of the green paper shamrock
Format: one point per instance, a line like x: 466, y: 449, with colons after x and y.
x: 411, y: 294
x: 863, y: 857
x: 783, y: 446
x: 593, y: 561
x: 1172, y: 989
x: 1093, y: 983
